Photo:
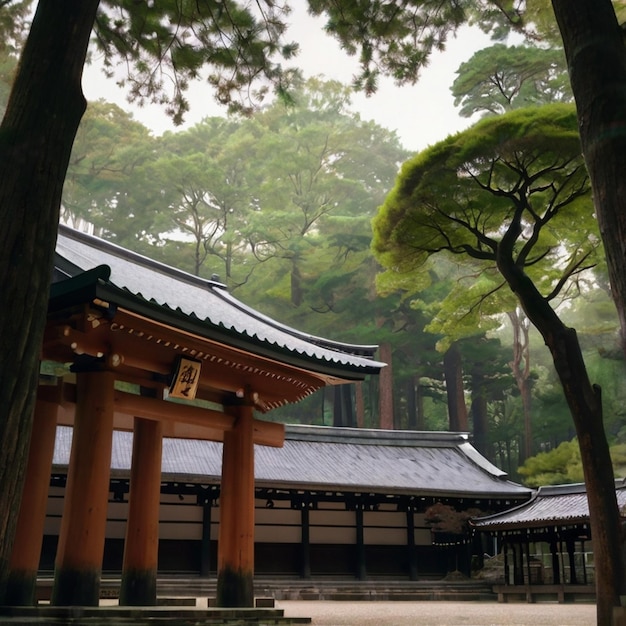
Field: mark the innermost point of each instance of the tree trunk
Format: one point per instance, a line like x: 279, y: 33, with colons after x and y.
x: 296, y: 283
x: 385, y: 402
x: 480, y: 420
x: 411, y: 403
x: 520, y: 366
x: 36, y: 136
x: 419, y: 405
x: 585, y: 406
x: 453, y: 374
x: 337, y: 407
x: 359, y: 405
x: 343, y: 411
x: 347, y: 406
x: 596, y: 58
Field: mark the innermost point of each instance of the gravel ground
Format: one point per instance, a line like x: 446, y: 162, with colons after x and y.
x: 441, y: 613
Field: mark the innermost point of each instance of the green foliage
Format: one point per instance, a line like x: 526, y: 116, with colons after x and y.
x: 13, y: 25
x: 8, y: 63
x: 166, y: 44
x: 519, y: 176
x: 505, y: 431
x: 558, y: 466
x: 562, y: 465
x: 618, y: 456
x: 397, y: 39
x: 501, y: 78
x: 14, y: 21
x: 110, y: 147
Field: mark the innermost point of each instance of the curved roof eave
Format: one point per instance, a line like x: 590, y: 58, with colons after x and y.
x: 90, y: 267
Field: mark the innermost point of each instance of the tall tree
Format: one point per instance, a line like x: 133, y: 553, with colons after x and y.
x: 109, y: 148
x: 323, y: 170
x: 41, y: 119
x: 501, y: 78
x: 498, y: 193
x: 596, y: 59
x: 202, y: 176
x: 158, y: 40
x: 174, y: 40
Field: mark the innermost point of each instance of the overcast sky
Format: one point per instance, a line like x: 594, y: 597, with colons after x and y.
x: 422, y: 114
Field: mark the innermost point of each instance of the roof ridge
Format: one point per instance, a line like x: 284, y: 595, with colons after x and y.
x: 373, y: 436
x: 140, y: 259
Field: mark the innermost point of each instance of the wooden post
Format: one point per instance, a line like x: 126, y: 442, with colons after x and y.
x: 556, y: 570
x: 505, y: 550
x: 361, y: 572
x: 205, y: 544
x: 141, y: 546
x: 305, y: 542
x: 571, y: 548
x: 410, y: 541
x: 81, y: 538
x: 24, y: 564
x: 235, y: 550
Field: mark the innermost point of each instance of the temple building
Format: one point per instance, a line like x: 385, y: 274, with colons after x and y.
x: 546, y: 543
x: 158, y: 352
x: 150, y: 430
x: 341, y: 502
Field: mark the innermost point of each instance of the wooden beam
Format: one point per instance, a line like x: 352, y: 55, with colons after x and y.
x: 164, y: 410
x: 180, y: 421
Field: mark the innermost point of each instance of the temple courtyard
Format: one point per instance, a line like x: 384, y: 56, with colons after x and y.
x: 441, y: 613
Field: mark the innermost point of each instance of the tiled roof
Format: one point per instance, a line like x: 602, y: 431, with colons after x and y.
x: 183, y: 295
x: 335, y: 459
x: 555, y: 504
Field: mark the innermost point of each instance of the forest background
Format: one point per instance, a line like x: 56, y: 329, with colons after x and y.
x: 278, y: 206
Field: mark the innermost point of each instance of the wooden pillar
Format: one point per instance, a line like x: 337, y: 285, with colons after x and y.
x: 305, y: 542
x: 518, y: 563
x: 505, y: 550
x: 556, y: 570
x: 141, y: 546
x: 24, y: 563
x: 361, y: 572
x: 205, y: 546
x: 235, y: 551
x: 81, y: 539
x: 562, y: 560
x: 571, y: 549
x: 410, y: 542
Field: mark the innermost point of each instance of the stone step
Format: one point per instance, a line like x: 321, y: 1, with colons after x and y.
x: 145, y: 616
x: 310, y: 589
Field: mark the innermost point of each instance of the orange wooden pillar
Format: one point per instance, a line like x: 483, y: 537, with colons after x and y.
x: 235, y: 549
x: 81, y: 539
x: 24, y: 562
x: 141, y: 547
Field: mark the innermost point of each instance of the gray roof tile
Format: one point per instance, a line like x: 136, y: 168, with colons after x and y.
x: 554, y: 504
x: 336, y: 459
x: 198, y: 298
